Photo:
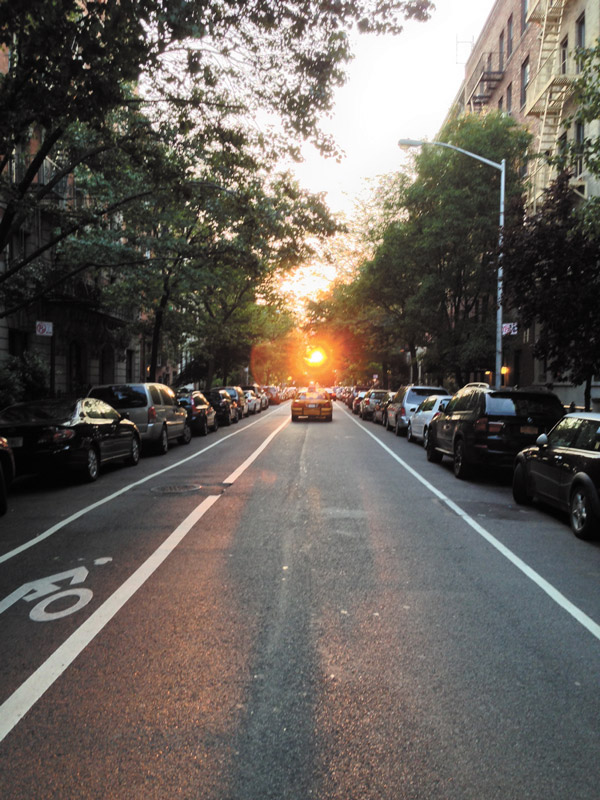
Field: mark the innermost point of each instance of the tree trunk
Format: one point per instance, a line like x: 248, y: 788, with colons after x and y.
x: 156, y: 330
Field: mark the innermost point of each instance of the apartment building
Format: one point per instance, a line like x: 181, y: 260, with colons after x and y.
x: 524, y: 64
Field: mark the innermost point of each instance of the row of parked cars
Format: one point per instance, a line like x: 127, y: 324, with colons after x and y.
x: 554, y: 456
x: 113, y: 422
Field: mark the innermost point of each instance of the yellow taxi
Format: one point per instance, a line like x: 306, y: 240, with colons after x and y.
x: 312, y: 404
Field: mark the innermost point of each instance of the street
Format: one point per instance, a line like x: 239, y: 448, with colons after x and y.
x: 307, y: 610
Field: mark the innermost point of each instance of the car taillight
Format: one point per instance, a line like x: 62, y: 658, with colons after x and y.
x: 56, y: 436
x: 402, y: 412
x: 495, y: 427
x: 151, y: 414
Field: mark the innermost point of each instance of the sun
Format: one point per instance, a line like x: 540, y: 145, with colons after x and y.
x: 316, y: 358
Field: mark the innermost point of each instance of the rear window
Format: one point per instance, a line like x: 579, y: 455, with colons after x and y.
x: 525, y: 405
x: 424, y: 392
x: 39, y: 412
x: 133, y: 396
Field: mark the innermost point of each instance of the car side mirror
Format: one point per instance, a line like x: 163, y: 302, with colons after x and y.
x: 542, y: 440
x: 125, y: 415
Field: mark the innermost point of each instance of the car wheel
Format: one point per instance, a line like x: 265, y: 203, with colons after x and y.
x: 425, y: 437
x: 215, y: 426
x: 433, y: 455
x: 409, y: 435
x: 397, y: 428
x: 227, y: 421
x: 461, y: 467
x: 186, y: 436
x: 163, y: 442
x: 294, y: 418
x: 236, y: 417
x: 584, y: 520
x: 519, y: 486
x: 134, y: 454
x: 3, y: 493
x: 203, y: 430
x: 386, y: 423
x: 91, y: 469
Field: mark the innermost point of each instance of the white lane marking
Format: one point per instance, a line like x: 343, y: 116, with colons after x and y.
x: 243, y: 467
x: 534, y: 576
x: 82, y: 512
x: 22, y: 700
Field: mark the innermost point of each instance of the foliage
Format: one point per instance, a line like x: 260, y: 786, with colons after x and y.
x: 23, y: 378
x: 553, y: 278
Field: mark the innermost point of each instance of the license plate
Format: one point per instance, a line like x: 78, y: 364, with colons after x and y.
x: 311, y: 405
x: 15, y: 441
x: 529, y: 429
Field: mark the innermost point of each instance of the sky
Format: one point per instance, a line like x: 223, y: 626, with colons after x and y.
x: 398, y: 87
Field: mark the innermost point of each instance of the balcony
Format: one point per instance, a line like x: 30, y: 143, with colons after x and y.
x: 483, y: 80
x: 545, y: 11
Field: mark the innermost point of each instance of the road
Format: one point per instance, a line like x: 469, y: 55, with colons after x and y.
x: 306, y: 610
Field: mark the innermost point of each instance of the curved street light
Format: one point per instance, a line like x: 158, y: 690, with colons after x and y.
x: 404, y: 143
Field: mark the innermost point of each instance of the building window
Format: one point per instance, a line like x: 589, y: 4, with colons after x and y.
x: 524, y: 10
x: 509, y: 98
x: 579, y: 137
x: 500, y: 104
x: 580, y: 36
x: 501, y: 52
x: 509, y: 37
x: 564, y: 55
x: 524, y: 81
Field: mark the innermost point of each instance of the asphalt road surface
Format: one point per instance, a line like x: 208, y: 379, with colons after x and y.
x: 306, y: 610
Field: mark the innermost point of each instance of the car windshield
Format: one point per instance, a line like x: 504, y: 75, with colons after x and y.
x: 121, y: 396
x: 40, y: 412
x: 523, y: 405
x: 312, y: 396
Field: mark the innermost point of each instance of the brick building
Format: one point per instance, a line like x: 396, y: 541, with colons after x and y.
x: 523, y: 64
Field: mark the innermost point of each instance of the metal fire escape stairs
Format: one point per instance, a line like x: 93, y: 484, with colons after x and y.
x: 548, y: 91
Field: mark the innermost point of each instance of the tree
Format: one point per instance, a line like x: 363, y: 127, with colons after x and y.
x: 552, y: 277
x: 70, y: 67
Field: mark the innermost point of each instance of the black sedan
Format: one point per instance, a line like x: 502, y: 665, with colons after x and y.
x: 202, y: 417
x: 563, y: 470
x: 78, y: 435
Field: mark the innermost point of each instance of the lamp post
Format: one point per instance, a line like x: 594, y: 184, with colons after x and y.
x: 403, y: 143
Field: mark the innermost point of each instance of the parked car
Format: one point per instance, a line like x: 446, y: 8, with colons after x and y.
x: 418, y: 423
x: 379, y: 414
x: 202, y: 417
x: 79, y: 435
x: 481, y: 425
x: 223, y: 405
x: 253, y: 401
x: 315, y: 404
x: 273, y: 394
x: 372, y: 400
x: 259, y: 392
x: 238, y: 398
x: 154, y: 409
x: 562, y: 468
x: 355, y: 407
x: 404, y: 403
x: 7, y: 473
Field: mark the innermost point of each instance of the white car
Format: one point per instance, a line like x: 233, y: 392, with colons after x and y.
x: 418, y: 422
x: 254, y: 403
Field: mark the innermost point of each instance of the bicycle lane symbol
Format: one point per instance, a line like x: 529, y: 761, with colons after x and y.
x: 49, y: 590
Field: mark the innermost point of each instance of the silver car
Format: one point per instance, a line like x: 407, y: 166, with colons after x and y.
x: 418, y: 423
x: 154, y: 409
x: 404, y: 403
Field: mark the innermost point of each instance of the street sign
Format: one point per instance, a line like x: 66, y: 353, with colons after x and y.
x: 44, y: 328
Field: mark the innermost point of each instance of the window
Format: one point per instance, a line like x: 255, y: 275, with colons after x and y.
x: 501, y: 52
x: 500, y: 104
x: 509, y: 98
x: 524, y: 81
x: 580, y: 36
x: 579, y: 139
x: 564, y: 55
x: 524, y: 9
x: 509, y: 37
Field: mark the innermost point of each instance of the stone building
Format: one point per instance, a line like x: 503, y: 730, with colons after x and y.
x: 524, y: 64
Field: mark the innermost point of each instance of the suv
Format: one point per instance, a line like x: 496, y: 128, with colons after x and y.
x: 371, y: 401
x: 563, y: 469
x: 404, y: 403
x: 202, y: 417
x: 154, y: 409
x: 238, y: 398
x: 481, y: 425
x: 222, y: 404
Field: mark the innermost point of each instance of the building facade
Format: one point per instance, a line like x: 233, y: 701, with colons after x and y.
x: 524, y: 64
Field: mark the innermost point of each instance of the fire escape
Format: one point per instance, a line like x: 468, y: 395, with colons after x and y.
x: 548, y: 90
x: 484, y: 79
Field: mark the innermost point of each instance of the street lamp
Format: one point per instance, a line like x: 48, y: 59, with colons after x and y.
x: 403, y: 143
